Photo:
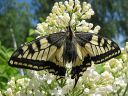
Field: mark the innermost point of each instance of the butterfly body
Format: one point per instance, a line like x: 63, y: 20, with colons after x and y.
x: 70, y: 53
x: 53, y: 51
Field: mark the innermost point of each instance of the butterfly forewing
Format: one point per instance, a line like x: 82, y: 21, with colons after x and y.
x: 42, y: 53
x: 99, y: 48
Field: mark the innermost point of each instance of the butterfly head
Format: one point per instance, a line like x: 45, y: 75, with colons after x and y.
x: 70, y: 34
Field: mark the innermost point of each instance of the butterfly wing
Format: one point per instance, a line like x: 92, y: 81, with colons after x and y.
x: 44, y: 53
x: 100, y: 49
x: 91, y: 47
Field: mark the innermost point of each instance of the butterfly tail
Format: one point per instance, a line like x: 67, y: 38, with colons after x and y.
x: 76, y: 80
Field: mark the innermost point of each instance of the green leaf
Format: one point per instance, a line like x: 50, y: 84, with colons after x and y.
x: 31, y: 32
x: 99, y: 68
x: 6, y: 72
x: 29, y: 39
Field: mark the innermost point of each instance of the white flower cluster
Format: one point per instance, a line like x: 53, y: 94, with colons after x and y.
x: 29, y: 86
x: 70, y: 13
x: 108, y: 79
x: 17, y: 87
x: 111, y: 82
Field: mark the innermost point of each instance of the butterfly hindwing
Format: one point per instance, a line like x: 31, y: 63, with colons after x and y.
x: 42, y: 53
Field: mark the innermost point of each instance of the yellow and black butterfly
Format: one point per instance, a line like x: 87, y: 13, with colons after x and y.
x: 53, y: 51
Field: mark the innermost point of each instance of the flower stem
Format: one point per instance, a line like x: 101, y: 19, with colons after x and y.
x: 125, y: 90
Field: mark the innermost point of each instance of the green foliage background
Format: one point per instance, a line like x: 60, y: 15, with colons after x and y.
x: 18, y: 19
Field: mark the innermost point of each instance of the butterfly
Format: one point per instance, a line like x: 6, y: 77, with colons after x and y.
x: 53, y: 51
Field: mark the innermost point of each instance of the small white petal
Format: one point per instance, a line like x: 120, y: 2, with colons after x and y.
x: 9, y: 92
x: 86, y: 90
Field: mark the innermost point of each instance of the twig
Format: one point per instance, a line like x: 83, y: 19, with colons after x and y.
x: 126, y: 89
x: 15, y: 47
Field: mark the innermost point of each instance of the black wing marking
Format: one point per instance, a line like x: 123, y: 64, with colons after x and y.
x: 44, y: 53
x: 92, y: 47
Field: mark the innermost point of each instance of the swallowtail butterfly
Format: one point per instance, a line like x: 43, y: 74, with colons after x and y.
x: 52, y: 52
